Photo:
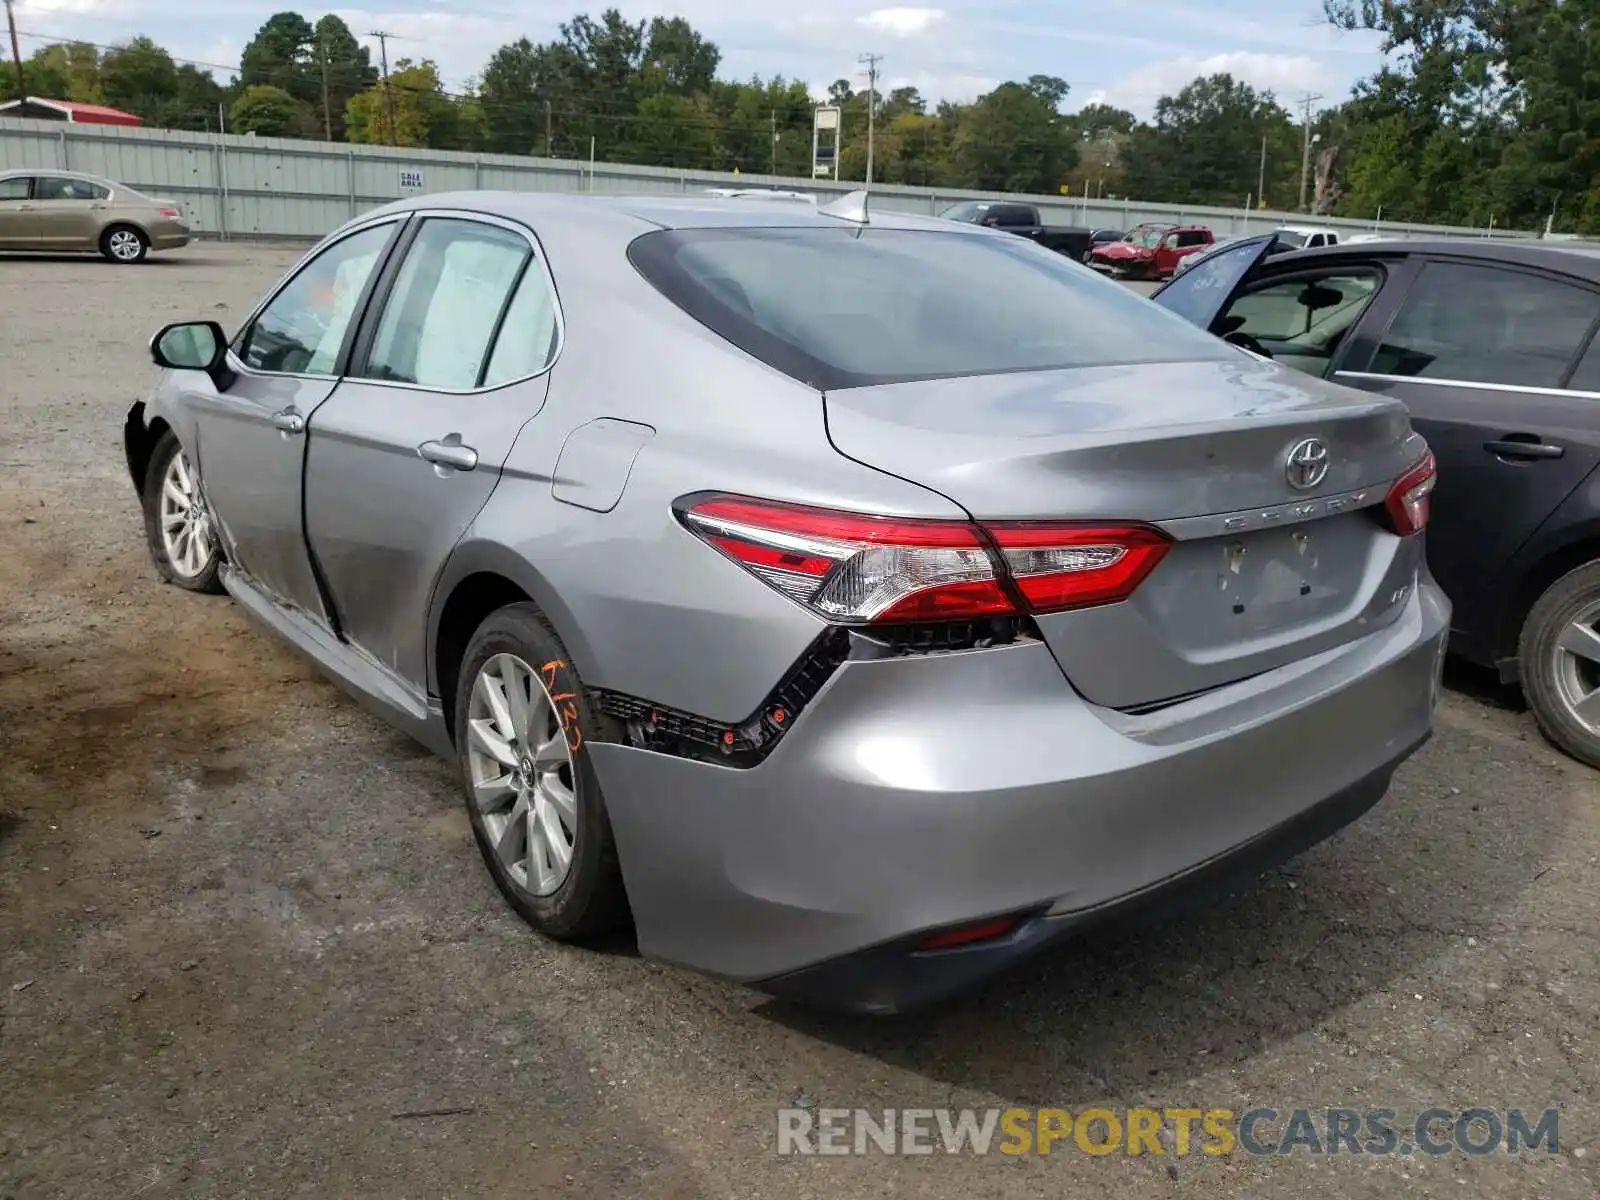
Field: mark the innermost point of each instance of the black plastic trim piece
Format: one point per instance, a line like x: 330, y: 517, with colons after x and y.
x: 747, y: 743
x: 741, y: 744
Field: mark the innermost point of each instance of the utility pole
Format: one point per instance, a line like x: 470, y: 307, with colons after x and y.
x: 16, y: 55
x: 549, y: 134
x: 872, y: 61
x: 1305, y: 149
x: 383, y: 37
x: 327, y: 113
x: 772, y: 123
x: 1261, y: 175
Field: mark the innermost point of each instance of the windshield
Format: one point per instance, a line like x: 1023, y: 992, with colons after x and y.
x: 1146, y: 239
x: 969, y: 210
x: 848, y: 308
x: 1288, y: 237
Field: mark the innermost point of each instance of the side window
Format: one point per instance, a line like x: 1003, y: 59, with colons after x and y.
x: 1192, y: 238
x: 1304, y: 320
x: 528, y: 335
x: 446, y: 303
x: 1587, y: 377
x: 301, y: 330
x: 15, y: 188
x: 58, y: 187
x: 1484, y: 324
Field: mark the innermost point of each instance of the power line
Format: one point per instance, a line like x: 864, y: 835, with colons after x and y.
x: 16, y: 55
x: 383, y: 37
x: 872, y: 61
x: 1305, y: 149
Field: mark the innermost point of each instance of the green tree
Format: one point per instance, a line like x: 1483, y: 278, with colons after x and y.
x: 343, y: 67
x: 1099, y: 121
x: 422, y: 114
x: 265, y: 109
x: 280, y: 54
x: 1205, y: 147
x: 679, y: 59
x: 139, y: 77
x: 1014, y: 140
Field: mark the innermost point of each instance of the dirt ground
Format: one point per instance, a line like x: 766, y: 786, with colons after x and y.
x: 245, y: 937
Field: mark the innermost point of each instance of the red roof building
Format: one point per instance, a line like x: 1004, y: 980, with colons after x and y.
x: 67, y: 110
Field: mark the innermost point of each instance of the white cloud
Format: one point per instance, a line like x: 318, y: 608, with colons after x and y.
x: 902, y: 22
x: 1282, y: 74
x: 69, y: 8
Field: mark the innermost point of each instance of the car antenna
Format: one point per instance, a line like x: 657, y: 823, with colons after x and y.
x: 851, y: 207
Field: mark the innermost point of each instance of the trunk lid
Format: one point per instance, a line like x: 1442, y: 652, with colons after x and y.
x: 1261, y: 573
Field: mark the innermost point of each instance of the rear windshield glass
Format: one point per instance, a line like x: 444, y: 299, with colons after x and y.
x: 971, y: 211
x: 854, y: 307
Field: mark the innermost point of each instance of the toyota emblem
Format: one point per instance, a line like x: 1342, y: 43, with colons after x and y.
x: 1307, y: 464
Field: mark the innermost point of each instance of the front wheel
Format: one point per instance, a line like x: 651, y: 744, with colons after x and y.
x: 1559, y: 658
x: 523, y: 731
x: 177, y: 521
x: 124, y: 244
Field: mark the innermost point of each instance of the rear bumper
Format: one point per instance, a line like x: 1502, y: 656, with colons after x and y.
x: 896, y: 977
x: 170, y: 239
x: 918, y: 793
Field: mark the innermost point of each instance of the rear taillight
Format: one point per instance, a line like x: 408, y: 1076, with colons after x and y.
x: 1065, y: 566
x: 1407, y: 501
x: 852, y: 568
x: 170, y: 212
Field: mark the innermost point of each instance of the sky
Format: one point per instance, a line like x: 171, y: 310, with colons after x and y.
x: 1122, y: 52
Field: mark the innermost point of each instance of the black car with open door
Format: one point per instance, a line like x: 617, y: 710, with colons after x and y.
x: 1492, y: 347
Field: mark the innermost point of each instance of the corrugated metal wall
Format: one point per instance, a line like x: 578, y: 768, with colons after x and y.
x: 272, y: 187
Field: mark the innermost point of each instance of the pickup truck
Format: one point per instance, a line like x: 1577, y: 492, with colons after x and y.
x: 1151, y: 251
x: 1284, y: 239
x: 1023, y: 220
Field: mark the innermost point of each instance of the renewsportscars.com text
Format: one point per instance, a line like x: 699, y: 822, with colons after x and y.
x: 1179, y: 1132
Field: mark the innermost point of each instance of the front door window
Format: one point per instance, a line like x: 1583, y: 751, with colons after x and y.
x: 301, y: 331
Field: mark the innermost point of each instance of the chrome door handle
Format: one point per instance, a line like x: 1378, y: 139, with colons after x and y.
x: 449, y: 453
x: 1520, y: 449
x: 288, y: 421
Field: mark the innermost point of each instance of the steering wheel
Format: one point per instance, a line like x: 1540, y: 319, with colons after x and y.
x: 1239, y: 338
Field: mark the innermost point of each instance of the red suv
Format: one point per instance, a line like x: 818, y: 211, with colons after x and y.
x: 1151, y: 250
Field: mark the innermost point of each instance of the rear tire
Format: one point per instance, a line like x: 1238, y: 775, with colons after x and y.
x: 1559, y: 658
x: 515, y: 658
x: 178, y: 526
x: 124, y: 244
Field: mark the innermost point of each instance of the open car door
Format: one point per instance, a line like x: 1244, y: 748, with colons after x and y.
x: 1206, y: 288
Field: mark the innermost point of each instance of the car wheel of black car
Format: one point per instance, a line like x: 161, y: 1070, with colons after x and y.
x: 523, y: 730
x: 1559, y: 657
x: 177, y: 522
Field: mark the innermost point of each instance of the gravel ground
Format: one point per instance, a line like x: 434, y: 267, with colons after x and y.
x: 244, y: 931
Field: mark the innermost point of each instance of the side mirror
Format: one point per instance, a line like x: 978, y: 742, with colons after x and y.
x: 194, y: 346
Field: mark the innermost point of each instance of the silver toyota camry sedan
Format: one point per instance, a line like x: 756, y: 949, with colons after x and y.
x: 854, y: 601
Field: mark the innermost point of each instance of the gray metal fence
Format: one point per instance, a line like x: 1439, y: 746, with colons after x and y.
x: 253, y: 187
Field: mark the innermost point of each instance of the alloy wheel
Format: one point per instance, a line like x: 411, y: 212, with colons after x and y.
x: 521, y: 774
x: 125, y: 245
x: 1577, y: 668
x: 185, y: 521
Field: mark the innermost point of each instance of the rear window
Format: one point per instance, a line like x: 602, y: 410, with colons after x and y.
x: 854, y: 307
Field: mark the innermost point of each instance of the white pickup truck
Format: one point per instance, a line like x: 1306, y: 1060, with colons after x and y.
x: 1286, y: 238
